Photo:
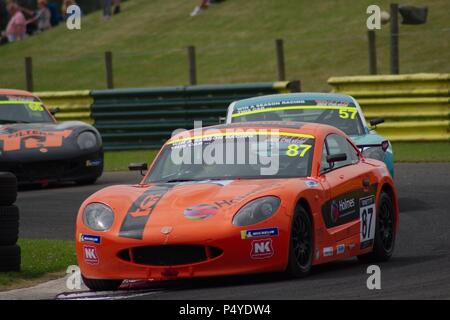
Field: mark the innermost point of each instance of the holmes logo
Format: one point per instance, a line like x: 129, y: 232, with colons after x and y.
x: 346, y: 204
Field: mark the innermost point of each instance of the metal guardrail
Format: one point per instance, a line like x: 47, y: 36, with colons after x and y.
x: 74, y: 105
x: 145, y: 118
x: 416, y: 106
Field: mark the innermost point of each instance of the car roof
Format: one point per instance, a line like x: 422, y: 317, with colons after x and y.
x: 16, y: 92
x: 293, y: 97
x: 314, y: 129
x: 286, y: 97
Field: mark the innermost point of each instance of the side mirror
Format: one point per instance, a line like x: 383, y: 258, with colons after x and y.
x: 338, y: 157
x: 138, y: 167
x: 376, y: 121
x: 54, y: 111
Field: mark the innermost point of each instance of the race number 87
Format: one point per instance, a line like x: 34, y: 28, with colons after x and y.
x: 295, y: 150
x: 366, y: 220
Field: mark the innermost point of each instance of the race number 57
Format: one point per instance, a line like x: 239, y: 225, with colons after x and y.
x: 348, y: 113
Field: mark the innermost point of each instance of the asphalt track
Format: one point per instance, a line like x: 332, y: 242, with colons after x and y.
x: 419, y: 269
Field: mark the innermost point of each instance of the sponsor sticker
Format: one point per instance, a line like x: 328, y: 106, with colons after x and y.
x: 90, y: 238
x: 340, y: 249
x: 342, y: 208
x: 311, y: 183
x: 257, y: 233
x: 90, y: 255
x: 367, y: 213
x: 327, y: 251
x: 200, y: 212
x: 262, y: 249
x: 93, y: 163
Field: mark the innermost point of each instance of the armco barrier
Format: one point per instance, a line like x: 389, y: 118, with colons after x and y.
x: 74, y: 105
x: 416, y: 107
x: 145, y: 118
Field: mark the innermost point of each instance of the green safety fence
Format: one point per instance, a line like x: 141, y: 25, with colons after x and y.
x: 146, y: 118
x: 416, y: 106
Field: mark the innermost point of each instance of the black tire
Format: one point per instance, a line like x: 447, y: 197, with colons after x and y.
x: 301, y: 244
x: 10, y: 258
x: 8, y: 188
x: 384, y: 241
x: 9, y: 225
x: 102, y: 284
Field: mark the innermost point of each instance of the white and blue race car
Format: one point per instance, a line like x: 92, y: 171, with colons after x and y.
x: 338, y: 110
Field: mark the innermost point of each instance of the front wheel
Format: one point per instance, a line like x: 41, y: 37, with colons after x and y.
x: 102, y: 284
x: 301, y: 244
x: 384, y: 241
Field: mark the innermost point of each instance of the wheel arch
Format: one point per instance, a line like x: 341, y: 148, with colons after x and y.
x: 390, y: 190
x: 302, y: 201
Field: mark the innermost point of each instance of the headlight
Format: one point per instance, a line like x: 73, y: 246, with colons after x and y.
x: 256, y: 211
x: 98, y: 217
x: 376, y: 153
x: 87, y: 140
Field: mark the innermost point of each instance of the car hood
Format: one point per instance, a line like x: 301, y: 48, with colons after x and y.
x: 27, y: 142
x: 196, y: 204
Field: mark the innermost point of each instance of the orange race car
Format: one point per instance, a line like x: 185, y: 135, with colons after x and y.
x: 237, y: 199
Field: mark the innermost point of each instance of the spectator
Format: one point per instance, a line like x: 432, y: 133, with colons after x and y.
x: 42, y: 16
x: 16, y: 28
x: 203, y: 6
x: 55, y: 14
x: 106, y: 9
x: 66, y: 4
x: 3, y: 16
x: 106, y: 4
x: 116, y: 6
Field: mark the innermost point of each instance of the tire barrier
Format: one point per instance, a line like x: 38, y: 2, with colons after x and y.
x: 416, y: 107
x: 10, y: 256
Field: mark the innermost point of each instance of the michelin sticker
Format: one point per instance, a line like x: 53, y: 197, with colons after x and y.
x: 90, y: 238
x: 256, y: 233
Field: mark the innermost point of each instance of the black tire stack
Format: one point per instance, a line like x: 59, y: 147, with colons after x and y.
x: 10, y: 257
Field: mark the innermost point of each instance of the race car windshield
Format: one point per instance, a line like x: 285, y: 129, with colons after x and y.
x: 23, y: 112
x: 234, y: 157
x: 345, y: 118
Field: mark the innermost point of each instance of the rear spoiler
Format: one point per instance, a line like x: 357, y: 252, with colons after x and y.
x: 383, y: 145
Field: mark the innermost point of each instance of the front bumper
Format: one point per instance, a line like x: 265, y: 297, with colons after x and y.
x: 229, y: 254
x: 77, y: 168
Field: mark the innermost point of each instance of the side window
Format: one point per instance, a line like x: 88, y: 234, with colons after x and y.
x: 324, y: 165
x: 335, y: 144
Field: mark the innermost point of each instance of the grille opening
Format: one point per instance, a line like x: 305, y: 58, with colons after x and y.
x: 125, y: 255
x: 169, y: 255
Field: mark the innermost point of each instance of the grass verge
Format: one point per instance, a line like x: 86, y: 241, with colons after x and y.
x: 421, y: 151
x: 234, y: 41
x: 42, y: 260
x: 119, y: 160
